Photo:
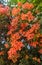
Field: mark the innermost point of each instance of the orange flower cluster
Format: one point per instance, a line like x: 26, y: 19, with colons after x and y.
x: 29, y: 34
x: 23, y: 16
x: 15, y: 21
x: 28, y: 16
x: 15, y: 46
x: 23, y: 25
x: 12, y: 55
x: 27, y: 6
x: 15, y: 11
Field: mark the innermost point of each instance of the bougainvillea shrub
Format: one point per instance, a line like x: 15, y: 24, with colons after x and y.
x: 22, y: 43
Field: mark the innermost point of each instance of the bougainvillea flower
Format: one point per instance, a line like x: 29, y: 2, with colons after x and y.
x: 15, y: 36
x: 11, y: 52
x: 13, y: 43
x: 13, y: 28
x: 27, y: 6
x: 20, y: 45
x: 30, y: 16
x: 31, y: 30
x: 15, y: 11
x: 23, y: 25
x: 30, y: 6
x: 36, y: 26
x: 13, y: 56
x: 23, y: 16
x: 29, y: 36
x: 21, y: 32
x: 14, y: 21
x: 17, y: 45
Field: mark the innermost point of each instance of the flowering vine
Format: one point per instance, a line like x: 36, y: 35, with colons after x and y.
x: 23, y: 31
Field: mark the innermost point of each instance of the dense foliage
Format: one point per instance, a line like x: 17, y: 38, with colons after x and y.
x: 20, y: 34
